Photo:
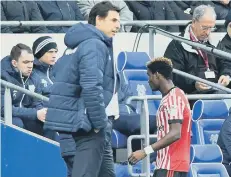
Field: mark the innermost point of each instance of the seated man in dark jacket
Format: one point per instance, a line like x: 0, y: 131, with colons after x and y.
x: 222, y: 8
x: 224, y: 141
x: 152, y: 10
x: 17, y: 69
x: 225, y: 43
x: 21, y: 11
x: 198, y: 62
x: 59, y: 11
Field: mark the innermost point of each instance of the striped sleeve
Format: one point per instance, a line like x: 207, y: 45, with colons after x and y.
x: 175, y: 107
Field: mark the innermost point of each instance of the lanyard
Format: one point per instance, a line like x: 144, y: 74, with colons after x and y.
x: 201, y: 53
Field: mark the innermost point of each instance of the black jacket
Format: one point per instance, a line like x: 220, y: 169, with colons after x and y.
x: 186, y: 58
x: 152, y: 10
x: 225, y: 44
x: 59, y: 11
x: 21, y: 11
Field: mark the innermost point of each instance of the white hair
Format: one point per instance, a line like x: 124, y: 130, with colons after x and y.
x: 201, y: 10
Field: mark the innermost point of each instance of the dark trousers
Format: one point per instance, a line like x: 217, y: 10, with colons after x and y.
x: 94, y: 156
x: 168, y: 173
x: 69, y: 160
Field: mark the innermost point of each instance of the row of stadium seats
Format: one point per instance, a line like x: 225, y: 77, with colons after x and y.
x: 206, y: 161
x: 207, y: 121
x: 133, y: 68
x: 208, y: 117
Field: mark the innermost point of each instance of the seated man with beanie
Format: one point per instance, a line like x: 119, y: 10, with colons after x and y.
x: 45, y: 52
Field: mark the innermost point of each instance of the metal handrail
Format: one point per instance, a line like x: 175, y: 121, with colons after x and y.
x: 129, y: 151
x: 190, y: 97
x: 123, y: 23
x: 189, y: 76
x: 152, y: 97
x: 204, y: 47
x: 28, y: 92
x: 8, y: 100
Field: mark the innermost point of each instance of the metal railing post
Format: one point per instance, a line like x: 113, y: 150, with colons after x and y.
x: 129, y: 148
x: 151, y: 43
x: 144, y: 129
x: 7, y: 106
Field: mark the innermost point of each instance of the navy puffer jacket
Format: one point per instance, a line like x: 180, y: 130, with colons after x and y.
x: 84, y: 84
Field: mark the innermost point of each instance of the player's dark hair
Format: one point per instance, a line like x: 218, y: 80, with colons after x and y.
x: 161, y: 65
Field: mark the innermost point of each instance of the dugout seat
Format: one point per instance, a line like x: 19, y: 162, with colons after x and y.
x: 134, y: 70
x: 206, y: 161
x: 208, y: 117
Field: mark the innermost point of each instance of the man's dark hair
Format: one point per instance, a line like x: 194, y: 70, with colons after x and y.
x: 17, y: 50
x: 161, y: 65
x: 101, y: 9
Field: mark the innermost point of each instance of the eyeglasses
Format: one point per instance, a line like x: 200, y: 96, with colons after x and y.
x: 206, y: 28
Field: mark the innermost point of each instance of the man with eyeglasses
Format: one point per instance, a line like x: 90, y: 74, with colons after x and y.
x: 195, y: 61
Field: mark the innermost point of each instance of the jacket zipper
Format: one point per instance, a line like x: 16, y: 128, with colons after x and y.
x: 24, y: 83
x: 48, y: 75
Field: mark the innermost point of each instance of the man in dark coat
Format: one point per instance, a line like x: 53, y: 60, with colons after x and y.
x: 84, y: 90
x: 21, y: 11
x: 59, y: 11
x: 198, y: 62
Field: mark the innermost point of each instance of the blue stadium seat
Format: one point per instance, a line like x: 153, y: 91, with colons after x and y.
x: 206, y: 162
x: 208, y: 117
x: 132, y: 60
x: 138, y: 81
x: 118, y: 140
x: 133, y: 67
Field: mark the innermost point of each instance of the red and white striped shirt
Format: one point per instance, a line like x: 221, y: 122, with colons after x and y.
x: 174, y: 108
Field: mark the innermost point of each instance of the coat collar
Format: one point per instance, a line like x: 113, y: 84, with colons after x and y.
x: 187, y: 36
